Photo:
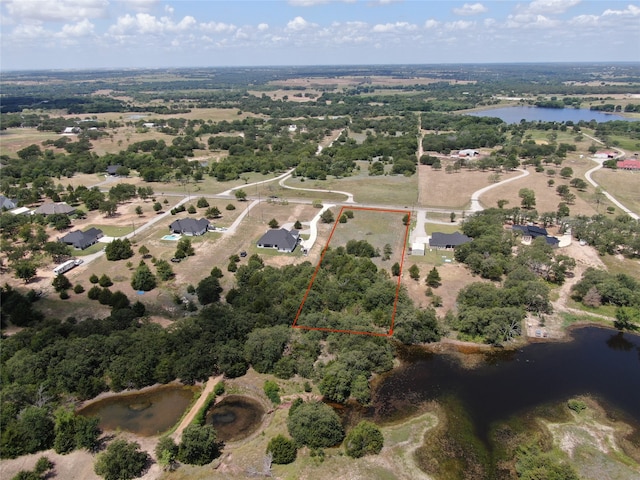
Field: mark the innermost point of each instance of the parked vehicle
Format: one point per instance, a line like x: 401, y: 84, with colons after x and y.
x: 64, y: 267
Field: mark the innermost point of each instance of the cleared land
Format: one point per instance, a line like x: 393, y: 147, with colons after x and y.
x: 624, y: 185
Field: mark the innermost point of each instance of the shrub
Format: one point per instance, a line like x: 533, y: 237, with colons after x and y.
x: 576, y: 405
x: 64, y: 295
x: 272, y: 391
x: 93, y: 278
x: 282, y: 449
x: 315, y: 425
x: 199, y: 445
x: 219, y: 388
x: 105, y: 281
x: 364, y: 439
x: 121, y: 461
x: 230, y: 207
x: 94, y: 292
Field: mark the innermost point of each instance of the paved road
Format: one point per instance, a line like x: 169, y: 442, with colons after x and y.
x: 600, y: 162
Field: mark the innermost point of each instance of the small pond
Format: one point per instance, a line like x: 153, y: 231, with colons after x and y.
x: 146, y: 413
x: 235, y: 417
x: 533, y: 114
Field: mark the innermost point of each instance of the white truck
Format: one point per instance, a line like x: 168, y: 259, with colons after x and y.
x: 64, y: 267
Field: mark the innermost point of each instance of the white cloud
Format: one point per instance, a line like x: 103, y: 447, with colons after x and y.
x: 459, y: 25
x: 298, y: 24
x: 218, y: 27
x: 630, y: 11
x: 307, y: 3
x: 528, y: 20
x: 149, y: 24
x: 585, y: 20
x: 30, y: 31
x: 393, y: 27
x: 263, y: 27
x: 169, y: 9
x: 80, y: 29
x: 470, y: 9
x: 551, y: 6
x: 56, y: 10
x: 431, y: 23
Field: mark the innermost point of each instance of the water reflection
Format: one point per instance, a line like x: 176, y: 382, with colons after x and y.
x: 235, y: 417
x: 596, y: 362
x: 146, y: 413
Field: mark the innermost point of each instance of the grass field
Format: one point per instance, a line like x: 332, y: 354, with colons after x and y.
x: 396, y: 190
x: 624, y: 185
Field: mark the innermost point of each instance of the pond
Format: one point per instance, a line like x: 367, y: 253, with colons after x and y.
x: 235, y: 417
x: 532, y: 114
x: 599, y: 362
x: 150, y: 412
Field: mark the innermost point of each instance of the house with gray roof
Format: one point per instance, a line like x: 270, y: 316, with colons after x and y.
x: 531, y: 232
x: 6, y: 203
x: 280, y: 239
x: 447, y: 241
x: 54, y: 208
x: 81, y: 240
x: 190, y: 226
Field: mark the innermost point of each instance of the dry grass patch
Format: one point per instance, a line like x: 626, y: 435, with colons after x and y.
x: 547, y: 199
x: 622, y: 184
x: 453, y: 190
x: 14, y: 139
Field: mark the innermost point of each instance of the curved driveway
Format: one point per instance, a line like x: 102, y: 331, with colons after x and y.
x: 475, y: 196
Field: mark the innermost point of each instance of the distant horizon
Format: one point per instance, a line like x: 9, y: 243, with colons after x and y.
x: 193, y: 67
x: 119, y: 34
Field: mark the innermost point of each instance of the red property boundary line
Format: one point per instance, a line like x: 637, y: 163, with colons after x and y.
x: 324, y: 251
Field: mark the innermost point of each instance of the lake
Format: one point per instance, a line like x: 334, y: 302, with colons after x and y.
x: 599, y: 362
x: 532, y: 114
x: 150, y: 412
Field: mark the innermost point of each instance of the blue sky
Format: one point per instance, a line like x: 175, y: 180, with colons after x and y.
x: 78, y: 34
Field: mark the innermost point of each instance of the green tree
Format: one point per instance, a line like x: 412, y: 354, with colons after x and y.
x: 406, y: 219
x: 191, y: 209
x: 414, y: 272
x: 364, y: 439
x: 208, y: 290
x: 327, y: 216
x: 216, y: 272
x: 199, y: 445
x: 157, y: 207
x: 202, y: 203
x: 315, y: 425
x: 143, y: 279
x: 566, y: 172
x: 184, y: 248
x: 138, y: 210
x: 25, y: 270
x: 528, y: 198
x: 433, y: 278
x: 241, y: 195
x: 395, y: 269
x: 627, y: 318
x: 272, y: 391
x: 94, y: 278
x: 213, y: 212
x: 164, y: 270
x: 61, y: 283
x: 144, y: 251
x: 387, y: 251
x: 343, y: 218
x: 297, y: 225
x: 119, y: 250
x: 121, y: 460
x: 273, y: 223
x: 282, y: 450
x: 166, y: 452
x: 105, y: 281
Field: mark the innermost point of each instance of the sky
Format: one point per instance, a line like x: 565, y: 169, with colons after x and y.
x: 89, y: 34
